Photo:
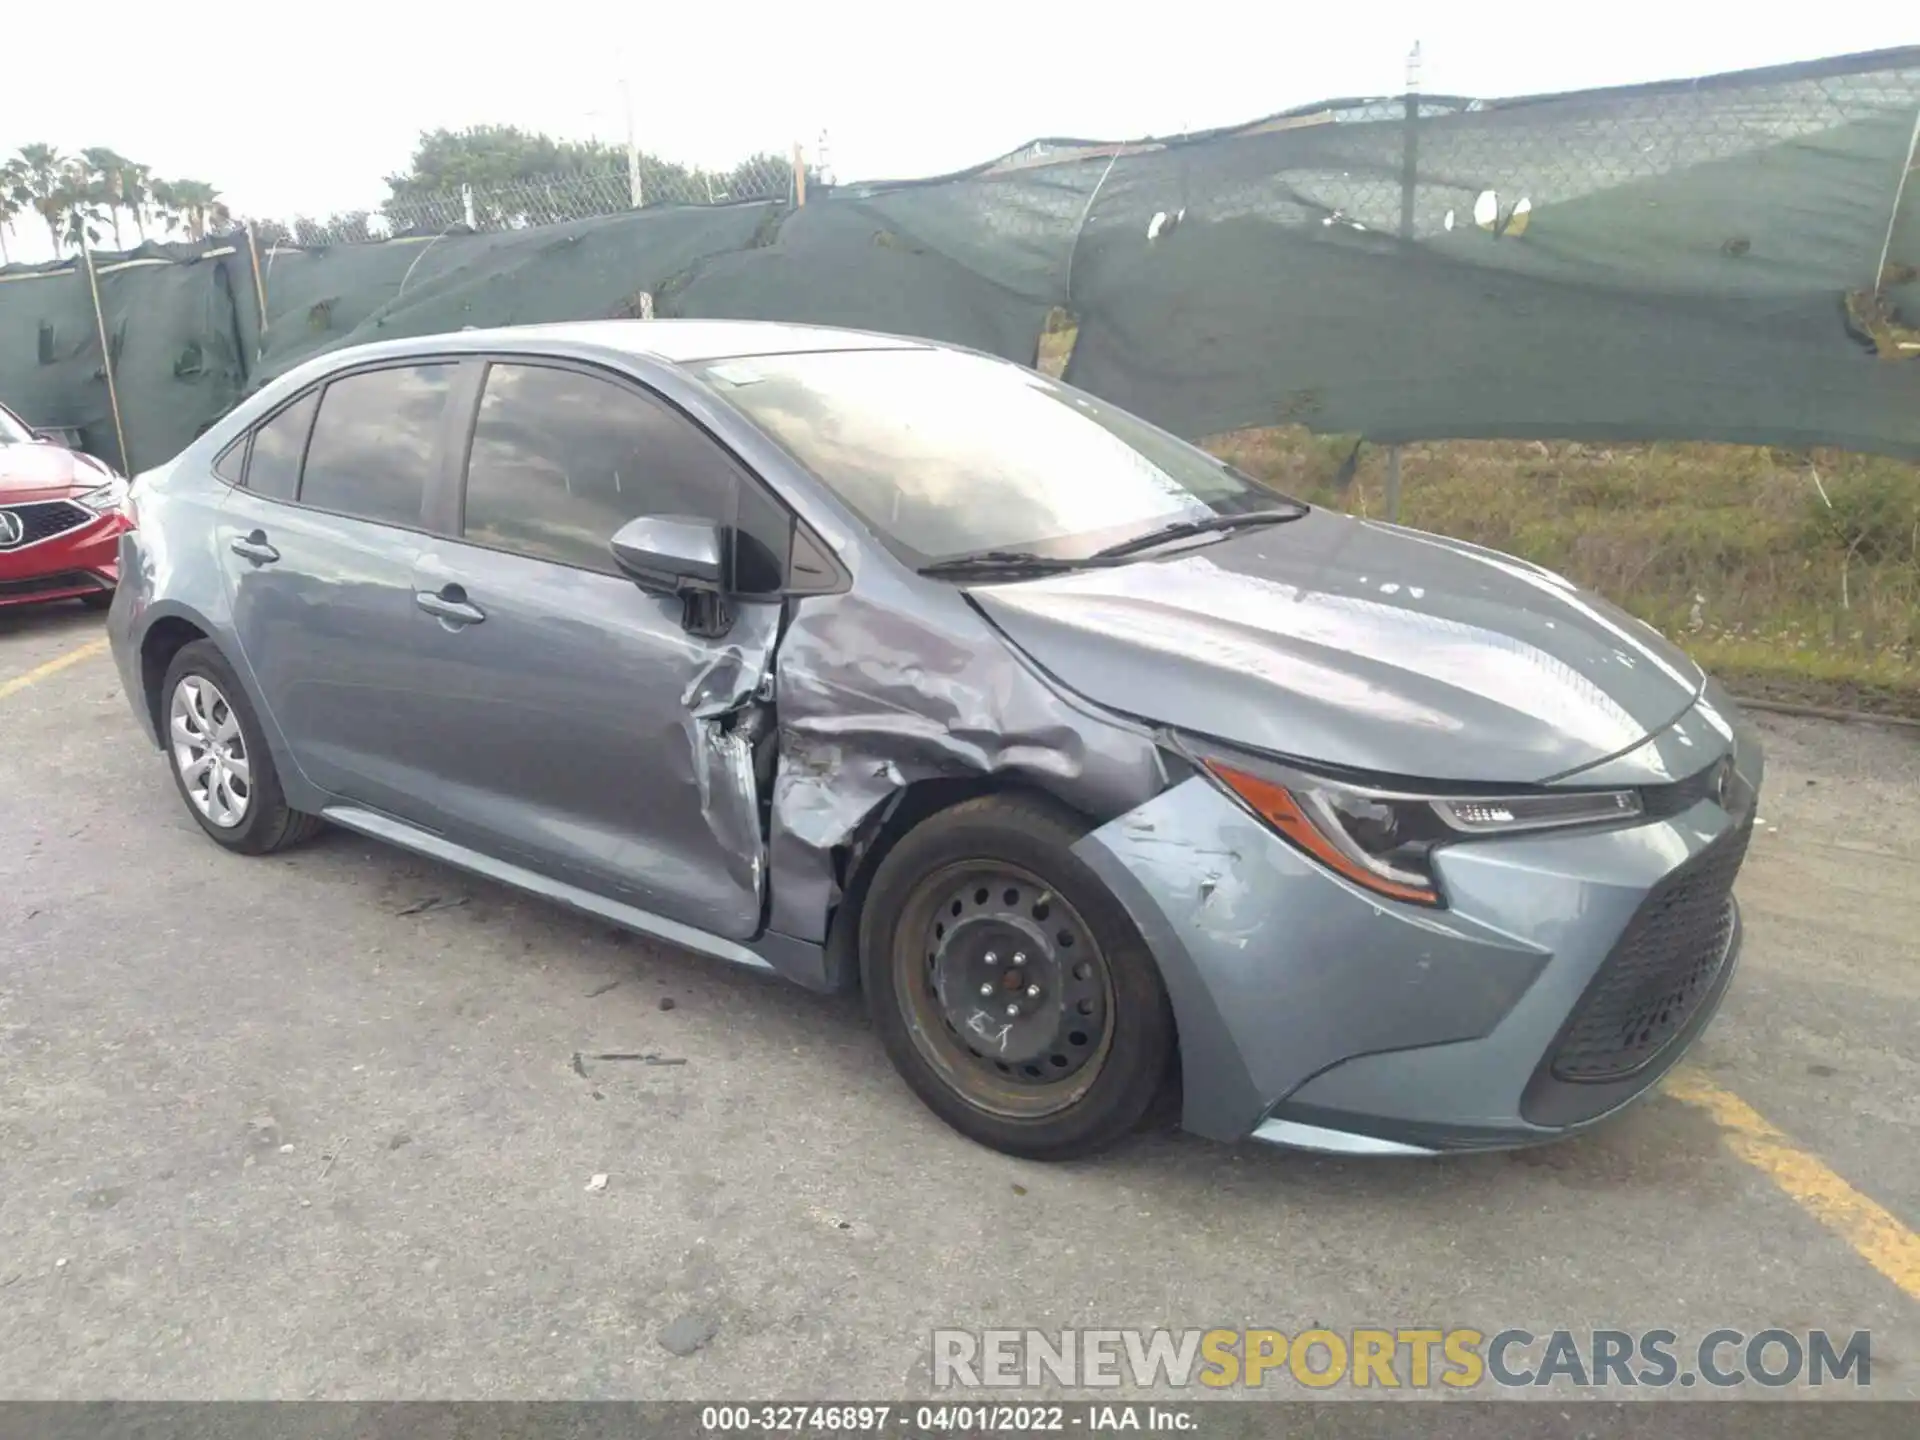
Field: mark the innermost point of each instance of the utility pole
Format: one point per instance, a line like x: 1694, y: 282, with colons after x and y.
x: 636, y: 196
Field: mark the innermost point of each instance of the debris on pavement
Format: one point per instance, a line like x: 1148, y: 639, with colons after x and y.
x: 433, y: 902
x: 642, y: 1057
x: 690, y: 1332
x: 598, y: 1182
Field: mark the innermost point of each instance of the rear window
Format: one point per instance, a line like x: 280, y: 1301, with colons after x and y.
x: 375, y: 442
x: 273, y: 469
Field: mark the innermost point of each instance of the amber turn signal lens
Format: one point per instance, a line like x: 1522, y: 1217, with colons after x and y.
x: 1276, y: 805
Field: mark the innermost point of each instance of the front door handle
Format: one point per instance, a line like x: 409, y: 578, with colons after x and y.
x: 450, y: 604
x: 255, y: 548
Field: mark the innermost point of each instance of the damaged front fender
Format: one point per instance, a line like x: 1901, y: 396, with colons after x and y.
x: 890, y: 686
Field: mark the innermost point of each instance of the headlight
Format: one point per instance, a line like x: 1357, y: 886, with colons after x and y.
x: 105, y: 497
x: 1384, y: 839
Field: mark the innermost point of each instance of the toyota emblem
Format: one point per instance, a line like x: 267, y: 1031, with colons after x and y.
x: 12, y: 531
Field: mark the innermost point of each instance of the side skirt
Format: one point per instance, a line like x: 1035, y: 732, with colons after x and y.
x: 408, y: 837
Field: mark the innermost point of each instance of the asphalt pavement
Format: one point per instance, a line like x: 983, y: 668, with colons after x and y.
x: 328, y: 1125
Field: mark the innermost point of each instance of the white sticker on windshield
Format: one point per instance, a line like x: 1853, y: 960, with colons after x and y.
x: 735, y: 372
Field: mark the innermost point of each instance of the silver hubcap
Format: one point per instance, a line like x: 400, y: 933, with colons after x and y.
x: 210, y: 752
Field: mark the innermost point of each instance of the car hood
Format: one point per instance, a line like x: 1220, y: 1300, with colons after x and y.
x: 1358, y: 645
x: 45, y: 472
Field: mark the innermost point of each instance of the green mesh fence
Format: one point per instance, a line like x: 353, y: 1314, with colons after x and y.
x: 1730, y: 258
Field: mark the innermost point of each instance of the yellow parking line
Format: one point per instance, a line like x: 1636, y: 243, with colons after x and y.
x: 1875, y: 1234
x: 52, y: 667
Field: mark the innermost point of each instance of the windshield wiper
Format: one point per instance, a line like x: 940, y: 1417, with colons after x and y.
x: 1204, y: 525
x: 986, y: 562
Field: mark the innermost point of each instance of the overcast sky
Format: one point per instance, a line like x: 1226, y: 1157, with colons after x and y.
x: 304, y: 107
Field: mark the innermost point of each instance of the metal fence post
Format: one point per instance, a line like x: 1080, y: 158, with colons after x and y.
x: 799, y: 175
x: 466, y: 206
x: 106, y: 354
x: 1409, y: 172
x: 259, y: 294
x: 1899, y: 194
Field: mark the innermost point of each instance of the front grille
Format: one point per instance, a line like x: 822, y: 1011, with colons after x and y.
x: 48, y: 584
x: 44, y: 519
x: 1662, y: 967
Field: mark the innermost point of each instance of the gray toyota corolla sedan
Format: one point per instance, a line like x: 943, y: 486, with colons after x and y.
x: 1110, y: 776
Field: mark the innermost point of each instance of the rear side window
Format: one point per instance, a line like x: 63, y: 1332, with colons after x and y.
x: 373, y: 446
x: 231, y: 463
x: 561, y: 460
x: 273, y: 469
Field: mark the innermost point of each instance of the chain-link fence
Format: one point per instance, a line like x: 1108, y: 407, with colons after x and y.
x: 541, y: 200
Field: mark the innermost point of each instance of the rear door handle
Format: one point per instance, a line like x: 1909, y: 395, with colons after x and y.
x: 255, y: 548
x: 450, y: 603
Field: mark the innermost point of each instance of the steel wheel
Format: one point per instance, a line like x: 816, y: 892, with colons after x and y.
x: 210, y: 752
x: 1007, y: 994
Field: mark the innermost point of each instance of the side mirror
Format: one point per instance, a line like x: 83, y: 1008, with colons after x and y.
x: 671, y: 554
x: 675, y: 555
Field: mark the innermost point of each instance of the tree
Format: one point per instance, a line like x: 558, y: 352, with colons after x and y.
x: 162, y: 208
x: 199, y: 207
x: 268, y: 232
x: 13, y: 201
x: 42, y: 187
x: 491, y: 156
x: 106, y: 179
x: 136, y: 191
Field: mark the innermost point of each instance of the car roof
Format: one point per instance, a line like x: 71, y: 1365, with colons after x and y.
x: 693, y: 341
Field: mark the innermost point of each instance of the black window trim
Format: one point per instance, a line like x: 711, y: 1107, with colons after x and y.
x: 460, y: 453
x: 318, y: 388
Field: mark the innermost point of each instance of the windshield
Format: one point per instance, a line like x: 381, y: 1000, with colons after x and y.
x: 945, y: 454
x: 13, y: 431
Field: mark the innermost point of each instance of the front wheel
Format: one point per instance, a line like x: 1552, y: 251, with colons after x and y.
x: 220, y: 763
x: 1009, y: 987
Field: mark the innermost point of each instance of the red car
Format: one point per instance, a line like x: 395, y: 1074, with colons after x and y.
x: 60, y: 520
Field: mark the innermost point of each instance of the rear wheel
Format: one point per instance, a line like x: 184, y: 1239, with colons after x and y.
x: 1009, y: 987
x: 219, y: 762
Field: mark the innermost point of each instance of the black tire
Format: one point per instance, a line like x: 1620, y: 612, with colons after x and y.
x: 267, y: 823
x: 97, y: 599
x: 919, y: 977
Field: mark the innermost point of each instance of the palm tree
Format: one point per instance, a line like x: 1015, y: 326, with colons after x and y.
x: 79, y: 200
x: 200, y: 207
x: 107, y: 183
x: 13, y: 201
x: 137, y: 195
x: 43, y: 186
x: 163, y: 208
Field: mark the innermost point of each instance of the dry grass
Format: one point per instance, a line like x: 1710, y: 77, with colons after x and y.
x: 1789, y: 574
x: 1793, y: 575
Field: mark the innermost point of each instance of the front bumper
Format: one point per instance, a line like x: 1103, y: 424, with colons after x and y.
x: 1313, y: 1013
x: 81, y: 560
